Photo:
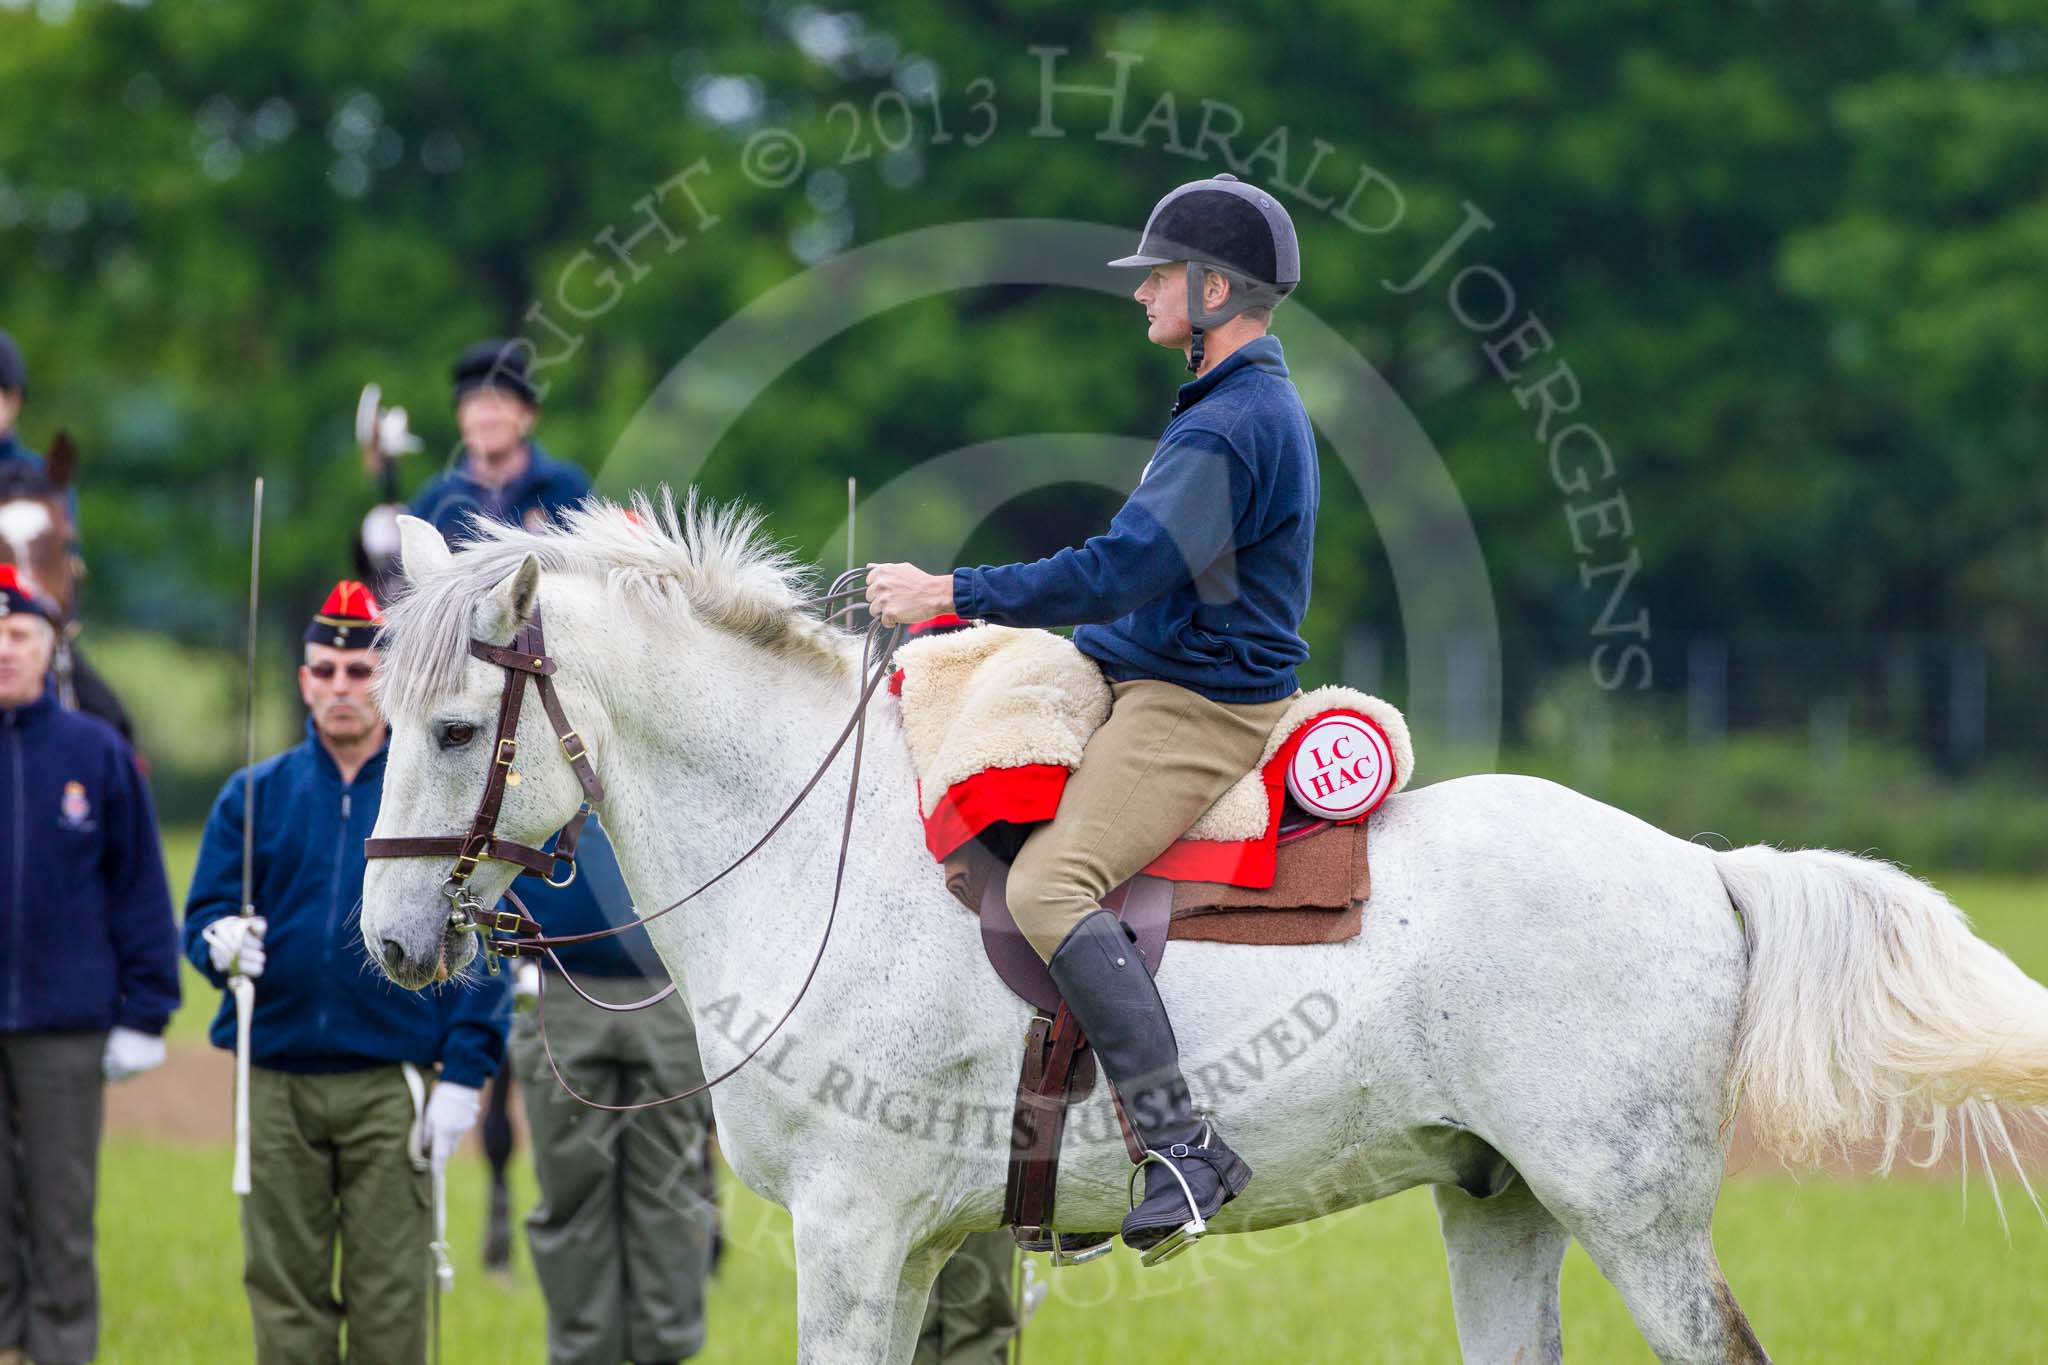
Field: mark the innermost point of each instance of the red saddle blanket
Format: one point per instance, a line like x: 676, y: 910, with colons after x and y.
x: 996, y: 719
x: 1030, y: 793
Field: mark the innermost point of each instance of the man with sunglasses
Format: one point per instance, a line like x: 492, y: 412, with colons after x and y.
x: 341, y: 1121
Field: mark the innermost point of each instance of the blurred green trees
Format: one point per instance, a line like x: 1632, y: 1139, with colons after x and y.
x: 1796, y: 258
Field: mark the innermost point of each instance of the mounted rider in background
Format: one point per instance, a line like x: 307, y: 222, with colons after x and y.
x: 622, y: 1235
x: 13, y: 393
x: 41, y: 538
x: 501, y: 472
x: 1192, y: 605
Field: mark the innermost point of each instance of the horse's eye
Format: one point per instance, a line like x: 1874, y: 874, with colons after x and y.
x: 454, y: 734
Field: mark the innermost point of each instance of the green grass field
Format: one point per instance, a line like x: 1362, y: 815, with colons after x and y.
x: 1829, y: 1270
x: 1905, y: 1270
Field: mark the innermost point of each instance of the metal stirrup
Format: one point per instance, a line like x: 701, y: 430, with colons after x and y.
x: 1190, y: 1232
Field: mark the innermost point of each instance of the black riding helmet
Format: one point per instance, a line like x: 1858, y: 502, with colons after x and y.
x: 1235, y: 229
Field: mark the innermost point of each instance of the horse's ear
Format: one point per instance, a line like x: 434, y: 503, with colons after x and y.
x: 420, y: 548
x: 62, y: 461
x: 508, y: 606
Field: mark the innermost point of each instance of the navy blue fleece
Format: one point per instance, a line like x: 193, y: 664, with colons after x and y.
x: 1203, y: 576
x: 87, y: 940
x: 321, y: 1006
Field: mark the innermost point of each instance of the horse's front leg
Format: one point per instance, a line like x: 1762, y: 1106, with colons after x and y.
x: 862, y: 1279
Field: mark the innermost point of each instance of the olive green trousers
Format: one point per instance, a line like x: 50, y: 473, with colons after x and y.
x: 972, y: 1313
x: 621, y: 1236
x: 328, y: 1164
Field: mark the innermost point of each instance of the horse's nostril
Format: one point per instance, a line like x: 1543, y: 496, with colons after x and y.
x: 394, y: 955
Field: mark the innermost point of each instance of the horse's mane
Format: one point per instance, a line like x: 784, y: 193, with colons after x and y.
x: 705, y: 561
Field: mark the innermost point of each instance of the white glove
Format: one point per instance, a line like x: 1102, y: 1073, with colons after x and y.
x: 236, y: 944
x: 130, y: 1053
x: 450, y: 1113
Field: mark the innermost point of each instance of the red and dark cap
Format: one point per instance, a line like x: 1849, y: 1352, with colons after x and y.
x: 349, y: 619
x: 16, y: 597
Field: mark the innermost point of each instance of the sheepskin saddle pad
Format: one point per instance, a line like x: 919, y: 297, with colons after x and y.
x: 996, y: 720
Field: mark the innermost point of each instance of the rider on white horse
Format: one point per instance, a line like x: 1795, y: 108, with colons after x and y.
x: 1192, y: 605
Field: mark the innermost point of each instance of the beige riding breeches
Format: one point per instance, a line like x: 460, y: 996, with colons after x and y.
x: 1161, y: 759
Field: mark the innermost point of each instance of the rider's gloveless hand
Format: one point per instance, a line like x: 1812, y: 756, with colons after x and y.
x: 900, y: 594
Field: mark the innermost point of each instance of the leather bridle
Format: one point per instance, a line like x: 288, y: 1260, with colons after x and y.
x: 515, y: 933
x: 525, y: 658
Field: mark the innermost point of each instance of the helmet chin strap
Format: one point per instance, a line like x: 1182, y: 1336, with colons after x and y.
x: 1201, y: 318
x: 1197, y: 277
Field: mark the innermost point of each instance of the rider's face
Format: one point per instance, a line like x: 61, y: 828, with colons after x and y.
x: 10, y: 408
x: 1164, y: 293
x: 493, y: 422
x: 26, y: 644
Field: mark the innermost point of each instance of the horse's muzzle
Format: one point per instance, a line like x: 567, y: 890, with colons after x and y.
x: 450, y: 951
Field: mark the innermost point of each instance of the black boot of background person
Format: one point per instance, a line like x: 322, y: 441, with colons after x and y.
x: 1104, y: 983
x: 496, y: 1132
x: 498, y: 1230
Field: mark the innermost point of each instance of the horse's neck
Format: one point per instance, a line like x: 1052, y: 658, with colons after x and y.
x: 690, y: 799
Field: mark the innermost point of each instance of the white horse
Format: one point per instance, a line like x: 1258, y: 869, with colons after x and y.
x: 1550, y: 1017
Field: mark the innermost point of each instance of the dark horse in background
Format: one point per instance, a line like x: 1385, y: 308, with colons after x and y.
x: 39, y: 536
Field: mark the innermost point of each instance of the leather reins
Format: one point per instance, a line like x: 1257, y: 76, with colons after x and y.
x: 526, y: 659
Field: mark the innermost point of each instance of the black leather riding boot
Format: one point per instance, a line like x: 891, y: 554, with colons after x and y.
x: 1105, y: 985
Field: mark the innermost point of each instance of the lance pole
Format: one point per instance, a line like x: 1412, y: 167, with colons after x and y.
x: 240, y: 986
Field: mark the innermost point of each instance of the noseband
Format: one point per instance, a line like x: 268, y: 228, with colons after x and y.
x: 515, y: 933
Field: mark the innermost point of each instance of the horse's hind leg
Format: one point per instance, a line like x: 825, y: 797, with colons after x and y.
x: 1679, y: 1298
x: 1505, y: 1252
x: 1647, y: 1222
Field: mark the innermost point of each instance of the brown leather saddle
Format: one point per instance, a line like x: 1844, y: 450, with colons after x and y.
x: 1322, y: 871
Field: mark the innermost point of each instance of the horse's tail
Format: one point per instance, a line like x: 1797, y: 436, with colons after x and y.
x: 1872, y: 1010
